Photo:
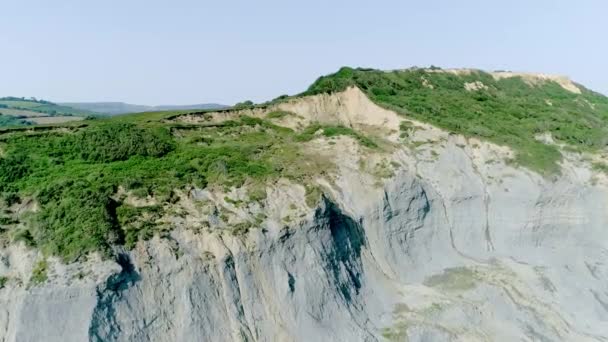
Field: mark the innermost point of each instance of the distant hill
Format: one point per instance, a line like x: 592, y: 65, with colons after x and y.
x: 115, y: 108
x: 19, y: 111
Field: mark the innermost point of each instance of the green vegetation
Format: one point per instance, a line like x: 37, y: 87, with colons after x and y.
x: 7, y: 121
x: 3, y: 281
x: 508, y: 112
x: 600, y: 167
x: 120, y: 141
x: 278, y: 114
x: 244, y: 105
x: 335, y: 130
x: 138, y: 223
x: 25, y: 236
x: 39, y: 273
x: 75, y: 174
x: 406, y: 128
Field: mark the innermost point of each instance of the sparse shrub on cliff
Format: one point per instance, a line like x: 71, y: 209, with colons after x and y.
x: 39, y: 273
x: 335, y: 130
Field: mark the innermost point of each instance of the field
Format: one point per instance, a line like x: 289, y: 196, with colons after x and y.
x: 20, y: 104
x: 20, y: 112
x: 27, y: 112
x: 45, y: 120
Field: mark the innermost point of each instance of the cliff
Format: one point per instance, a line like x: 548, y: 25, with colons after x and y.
x: 434, y: 236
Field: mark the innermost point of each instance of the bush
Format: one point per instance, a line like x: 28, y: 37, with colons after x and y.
x: 138, y: 223
x: 25, y: 236
x: 14, y: 167
x: 113, y: 142
x: 243, y: 105
x: 77, y: 217
x: 39, y: 273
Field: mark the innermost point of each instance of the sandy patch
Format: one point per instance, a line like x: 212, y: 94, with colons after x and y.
x: 475, y: 86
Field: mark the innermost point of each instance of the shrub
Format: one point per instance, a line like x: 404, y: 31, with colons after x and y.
x: 14, y: 167
x: 25, y: 236
x: 244, y: 105
x: 600, y: 167
x: 277, y: 114
x: 335, y: 130
x: 39, y: 273
x: 77, y: 217
x: 114, y: 142
x: 138, y: 223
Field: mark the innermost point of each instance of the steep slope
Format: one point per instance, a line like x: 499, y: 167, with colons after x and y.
x: 343, y: 220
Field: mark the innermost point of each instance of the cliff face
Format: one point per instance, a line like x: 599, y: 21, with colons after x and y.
x: 453, y: 244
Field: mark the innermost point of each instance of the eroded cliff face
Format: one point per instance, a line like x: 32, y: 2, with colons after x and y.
x: 452, y: 244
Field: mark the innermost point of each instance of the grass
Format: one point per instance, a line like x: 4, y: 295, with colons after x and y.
x: 278, y: 114
x: 509, y: 112
x: 329, y: 131
x: 3, y: 281
x: 138, y: 223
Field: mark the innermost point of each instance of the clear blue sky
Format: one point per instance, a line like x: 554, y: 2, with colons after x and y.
x: 187, y: 51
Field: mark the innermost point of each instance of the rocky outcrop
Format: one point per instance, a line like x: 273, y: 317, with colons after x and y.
x: 456, y: 245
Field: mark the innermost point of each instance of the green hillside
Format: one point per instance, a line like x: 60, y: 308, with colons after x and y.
x: 74, y: 173
x: 509, y: 111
